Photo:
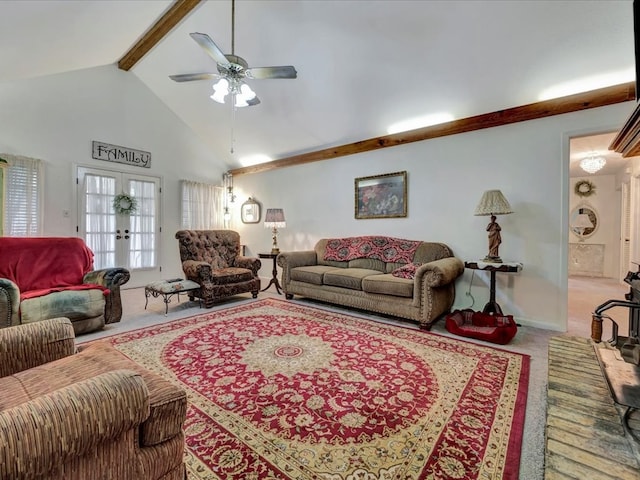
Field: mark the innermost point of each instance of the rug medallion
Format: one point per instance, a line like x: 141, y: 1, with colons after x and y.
x: 278, y: 390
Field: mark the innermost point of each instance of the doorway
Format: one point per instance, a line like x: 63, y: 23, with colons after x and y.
x: 600, y: 243
x: 127, y: 236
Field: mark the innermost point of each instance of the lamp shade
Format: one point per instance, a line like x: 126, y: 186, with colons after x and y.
x: 274, y: 218
x: 493, y: 203
x: 582, y: 221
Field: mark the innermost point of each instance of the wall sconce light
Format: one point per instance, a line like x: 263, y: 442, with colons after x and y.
x: 227, y: 180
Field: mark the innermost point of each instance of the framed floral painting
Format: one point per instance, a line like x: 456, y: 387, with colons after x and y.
x: 381, y: 196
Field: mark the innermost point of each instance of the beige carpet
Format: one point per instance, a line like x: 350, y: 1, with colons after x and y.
x: 584, y: 295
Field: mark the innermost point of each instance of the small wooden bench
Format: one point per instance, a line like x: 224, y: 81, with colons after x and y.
x: 169, y: 288
x: 585, y: 436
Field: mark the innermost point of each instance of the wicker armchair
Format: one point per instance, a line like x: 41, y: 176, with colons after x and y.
x: 212, y: 259
x: 94, y: 414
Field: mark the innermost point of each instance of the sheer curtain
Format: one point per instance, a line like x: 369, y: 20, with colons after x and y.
x: 99, y: 218
x: 202, y: 206
x: 23, y: 196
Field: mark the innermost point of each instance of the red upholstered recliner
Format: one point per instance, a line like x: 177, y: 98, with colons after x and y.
x: 50, y: 277
x: 482, y: 326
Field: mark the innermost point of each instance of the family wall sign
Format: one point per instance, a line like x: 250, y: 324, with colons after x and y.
x: 118, y: 154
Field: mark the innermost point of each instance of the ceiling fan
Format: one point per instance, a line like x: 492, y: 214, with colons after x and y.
x: 232, y: 71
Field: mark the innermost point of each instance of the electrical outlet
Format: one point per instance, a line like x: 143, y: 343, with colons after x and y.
x: 66, y: 213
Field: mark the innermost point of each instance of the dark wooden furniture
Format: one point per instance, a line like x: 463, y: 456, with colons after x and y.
x: 509, y: 267
x: 274, y: 272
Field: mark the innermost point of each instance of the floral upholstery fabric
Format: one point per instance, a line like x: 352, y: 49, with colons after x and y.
x: 387, y: 249
x: 407, y: 271
x: 212, y: 259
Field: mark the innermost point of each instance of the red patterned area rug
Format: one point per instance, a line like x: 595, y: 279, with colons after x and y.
x: 283, y: 391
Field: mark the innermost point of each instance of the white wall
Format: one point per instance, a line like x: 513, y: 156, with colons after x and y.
x: 528, y: 161
x: 55, y: 118
x: 606, y: 203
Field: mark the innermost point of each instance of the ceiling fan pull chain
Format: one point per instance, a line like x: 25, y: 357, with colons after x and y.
x: 233, y: 120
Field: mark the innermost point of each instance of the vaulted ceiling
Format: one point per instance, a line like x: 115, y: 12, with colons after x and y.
x: 362, y: 65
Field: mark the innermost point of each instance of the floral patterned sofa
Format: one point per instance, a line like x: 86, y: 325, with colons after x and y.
x: 409, y: 279
x: 212, y: 259
x: 49, y: 277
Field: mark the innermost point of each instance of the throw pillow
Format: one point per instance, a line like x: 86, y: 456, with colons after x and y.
x: 407, y: 271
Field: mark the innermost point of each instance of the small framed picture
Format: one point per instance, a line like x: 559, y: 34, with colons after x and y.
x: 250, y: 211
x: 381, y: 196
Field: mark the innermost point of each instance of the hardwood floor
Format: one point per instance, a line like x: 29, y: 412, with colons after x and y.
x: 585, y: 436
x: 585, y: 295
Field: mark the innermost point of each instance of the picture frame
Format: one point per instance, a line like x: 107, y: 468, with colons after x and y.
x: 381, y: 196
x: 250, y: 211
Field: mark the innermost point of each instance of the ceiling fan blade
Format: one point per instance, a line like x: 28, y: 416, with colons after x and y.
x: 211, y: 48
x: 189, y: 77
x: 260, y: 73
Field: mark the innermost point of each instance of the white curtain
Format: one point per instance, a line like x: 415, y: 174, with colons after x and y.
x: 23, y: 196
x: 202, y: 206
x: 99, y: 218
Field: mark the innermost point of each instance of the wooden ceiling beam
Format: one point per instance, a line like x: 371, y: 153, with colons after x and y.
x: 582, y: 101
x: 173, y: 16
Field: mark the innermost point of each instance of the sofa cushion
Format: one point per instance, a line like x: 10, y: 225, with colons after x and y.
x: 167, y: 402
x: 225, y: 276
x: 348, y: 277
x: 407, y: 271
x: 73, y: 304
x: 387, y: 284
x: 368, y: 263
x: 426, y: 252
x: 313, y: 274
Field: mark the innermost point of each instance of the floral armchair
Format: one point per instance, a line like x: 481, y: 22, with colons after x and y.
x: 212, y: 259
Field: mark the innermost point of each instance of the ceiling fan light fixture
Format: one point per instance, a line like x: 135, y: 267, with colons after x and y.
x: 220, y: 90
x: 592, y: 164
x: 244, y: 96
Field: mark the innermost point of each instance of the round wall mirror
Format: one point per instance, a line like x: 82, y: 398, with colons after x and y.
x: 583, y: 221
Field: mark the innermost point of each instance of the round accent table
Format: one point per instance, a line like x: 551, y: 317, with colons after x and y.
x: 492, y: 306
x: 274, y: 272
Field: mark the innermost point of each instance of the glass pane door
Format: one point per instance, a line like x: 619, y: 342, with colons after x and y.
x: 120, y: 240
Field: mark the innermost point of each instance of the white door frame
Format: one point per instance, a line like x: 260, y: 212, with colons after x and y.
x: 139, y: 276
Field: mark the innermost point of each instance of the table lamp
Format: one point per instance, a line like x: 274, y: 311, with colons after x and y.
x: 493, y: 203
x: 274, y: 219
x: 580, y: 224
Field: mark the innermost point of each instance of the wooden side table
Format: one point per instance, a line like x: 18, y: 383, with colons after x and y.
x: 492, y: 306
x: 274, y: 272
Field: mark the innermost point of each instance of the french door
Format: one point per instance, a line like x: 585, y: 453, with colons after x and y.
x: 129, y: 240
